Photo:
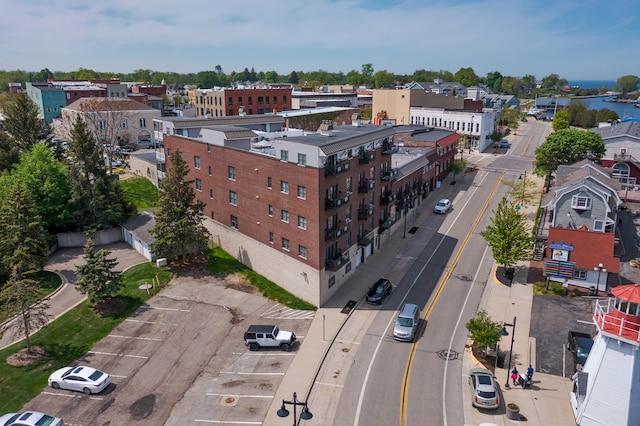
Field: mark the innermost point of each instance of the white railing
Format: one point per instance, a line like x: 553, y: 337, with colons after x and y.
x: 608, y: 322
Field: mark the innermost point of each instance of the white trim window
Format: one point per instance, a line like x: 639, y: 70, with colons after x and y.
x: 598, y: 225
x: 581, y: 202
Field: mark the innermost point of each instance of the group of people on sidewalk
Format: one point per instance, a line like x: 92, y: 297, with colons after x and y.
x: 522, y: 379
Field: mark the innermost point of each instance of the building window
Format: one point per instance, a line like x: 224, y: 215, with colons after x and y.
x: 302, y: 192
x: 284, y: 187
x: 230, y: 101
x: 302, y: 222
x: 196, y: 162
x: 231, y: 171
x: 234, y: 222
x: 269, y: 182
x: 260, y: 111
x: 302, y: 252
x: 284, y: 99
x: 211, y: 193
x: 102, y: 125
x: 284, y: 216
x: 270, y: 210
x: 266, y: 98
x: 143, y: 122
x: 213, y: 215
x: 233, y: 198
x: 199, y: 185
x: 598, y: 225
x: 284, y: 155
x: 286, y: 244
x: 580, y: 202
x: 250, y: 100
x: 271, y: 237
x: 580, y: 274
x: 209, y: 170
x: 302, y: 159
x: 124, y: 123
x: 208, y: 148
x: 168, y: 152
x: 239, y: 100
x: 260, y: 100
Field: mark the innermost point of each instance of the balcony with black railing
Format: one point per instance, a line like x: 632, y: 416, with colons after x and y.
x: 389, y: 148
x: 388, y: 174
x: 386, y: 224
x: 332, y: 234
x: 387, y: 198
x: 365, y: 239
x: 335, y: 169
x: 337, y: 202
x: 365, y: 212
x: 366, y: 185
x: 366, y: 157
x: 335, y: 262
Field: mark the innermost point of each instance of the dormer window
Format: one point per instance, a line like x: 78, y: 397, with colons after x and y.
x: 580, y: 202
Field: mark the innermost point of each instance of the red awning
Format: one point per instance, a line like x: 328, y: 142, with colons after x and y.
x: 630, y: 293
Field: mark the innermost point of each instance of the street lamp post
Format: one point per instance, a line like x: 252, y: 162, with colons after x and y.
x: 470, y: 134
x: 305, y: 415
x: 504, y: 332
x: 524, y: 183
x: 600, y: 268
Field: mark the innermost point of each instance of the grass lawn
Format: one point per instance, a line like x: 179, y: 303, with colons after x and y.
x: 49, y: 282
x: 219, y: 262
x: 70, y: 337
x: 141, y: 192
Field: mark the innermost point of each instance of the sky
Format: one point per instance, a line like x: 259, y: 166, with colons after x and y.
x: 576, y: 39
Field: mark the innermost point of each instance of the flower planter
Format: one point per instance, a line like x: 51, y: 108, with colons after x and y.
x: 513, y: 411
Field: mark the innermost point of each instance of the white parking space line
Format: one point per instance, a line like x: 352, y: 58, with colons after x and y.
x: 133, y: 337
x: 329, y: 384
x: 151, y: 322
x: 61, y: 394
x: 239, y: 396
x: 148, y: 308
x: 264, y: 353
x: 227, y: 422
x: 252, y: 374
x: 118, y: 377
x: 121, y: 355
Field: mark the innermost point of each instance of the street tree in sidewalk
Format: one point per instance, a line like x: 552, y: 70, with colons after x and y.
x: 96, y: 278
x: 483, y: 331
x: 22, y: 255
x: 179, y: 231
x: 457, y: 166
x: 524, y: 190
x: 507, y: 236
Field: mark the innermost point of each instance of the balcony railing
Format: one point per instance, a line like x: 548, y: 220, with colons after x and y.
x: 337, y: 261
x: 366, y: 157
x: 365, y: 240
x: 388, y: 149
x: 387, y: 198
x: 386, y: 224
x: 388, y: 174
x: 335, y: 233
x: 366, y: 186
x: 365, y: 212
x: 335, y: 169
x: 334, y: 203
x: 614, y: 322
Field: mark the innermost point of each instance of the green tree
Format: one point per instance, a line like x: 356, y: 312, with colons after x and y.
x: 507, y: 236
x: 22, y: 125
x: 467, y: 77
x: 207, y: 79
x: 293, y: 77
x: 42, y: 76
x: 484, y: 331
x: 561, y: 120
x: 568, y: 146
x: 22, y: 254
x: 46, y: 179
x: 383, y: 79
x: 9, y: 153
x: 367, y: 74
x: 179, y: 230
x: 627, y: 84
x: 604, y: 115
x: 271, y: 77
x: 493, y: 80
x: 97, y: 278
x: 529, y: 81
x: 457, y: 166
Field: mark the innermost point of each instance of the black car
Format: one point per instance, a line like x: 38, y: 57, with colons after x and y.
x: 379, y: 291
x: 579, y: 344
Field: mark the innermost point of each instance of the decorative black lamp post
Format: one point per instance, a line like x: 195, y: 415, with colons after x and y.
x: 504, y: 332
x: 305, y: 415
x: 600, y: 268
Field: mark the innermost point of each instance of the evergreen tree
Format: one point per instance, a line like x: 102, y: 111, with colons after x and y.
x: 22, y: 124
x: 96, y: 278
x: 293, y: 77
x: 179, y: 230
x: 9, y: 153
x: 22, y: 254
x: 507, y: 236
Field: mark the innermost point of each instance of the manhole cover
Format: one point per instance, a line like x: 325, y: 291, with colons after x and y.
x: 229, y: 400
x: 345, y: 349
x: 448, y: 354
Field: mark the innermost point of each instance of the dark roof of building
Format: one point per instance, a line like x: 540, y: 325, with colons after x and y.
x: 182, y: 122
x: 140, y: 226
x: 344, y: 137
x: 625, y: 128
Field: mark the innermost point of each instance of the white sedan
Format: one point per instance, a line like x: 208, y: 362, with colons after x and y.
x: 81, y: 379
x: 29, y: 418
x: 442, y: 206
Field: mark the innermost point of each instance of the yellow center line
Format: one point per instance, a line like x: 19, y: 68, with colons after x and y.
x: 406, y: 379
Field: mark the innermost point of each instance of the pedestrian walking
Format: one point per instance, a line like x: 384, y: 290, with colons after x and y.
x: 514, y: 376
x: 530, y: 373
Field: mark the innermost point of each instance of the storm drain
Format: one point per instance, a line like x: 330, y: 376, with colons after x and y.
x: 447, y: 354
x: 413, y: 229
x: 229, y: 400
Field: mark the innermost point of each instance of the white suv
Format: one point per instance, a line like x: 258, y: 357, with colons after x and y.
x: 258, y: 336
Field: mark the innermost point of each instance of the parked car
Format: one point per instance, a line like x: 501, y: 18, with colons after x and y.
x: 579, y: 344
x: 442, y: 206
x: 30, y: 418
x: 483, y: 389
x: 502, y: 144
x: 379, y: 291
x: 258, y: 336
x: 81, y: 379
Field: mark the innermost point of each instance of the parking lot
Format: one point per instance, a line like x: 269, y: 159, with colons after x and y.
x: 181, y: 358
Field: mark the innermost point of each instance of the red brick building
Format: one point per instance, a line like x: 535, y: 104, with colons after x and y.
x: 221, y: 102
x: 304, y: 211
